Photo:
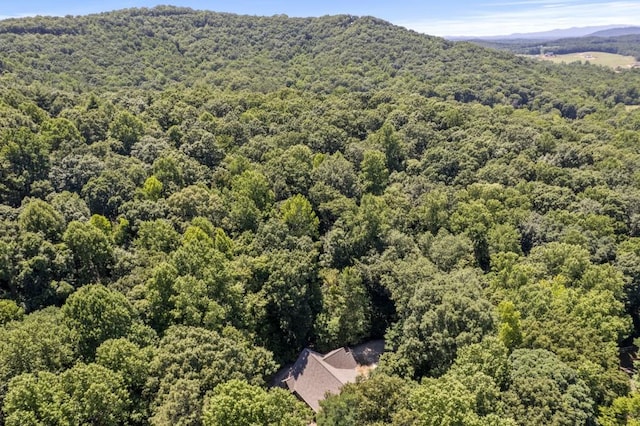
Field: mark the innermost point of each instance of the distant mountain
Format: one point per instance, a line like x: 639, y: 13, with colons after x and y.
x: 550, y: 35
x: 615, y: 32
x: 627, y: 45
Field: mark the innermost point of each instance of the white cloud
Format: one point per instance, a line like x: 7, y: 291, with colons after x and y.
x: 543, y: 15
x: 528, y: 3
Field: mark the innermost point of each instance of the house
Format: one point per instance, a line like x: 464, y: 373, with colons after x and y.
x: 314, y: 374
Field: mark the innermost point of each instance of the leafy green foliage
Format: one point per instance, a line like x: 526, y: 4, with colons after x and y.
x: 623, y: 411
x: 372, y: 401
x: 97, y: 314
x: 40, y: 342
x: 284, y: 306
x: 203, y: 193
x: 91, y: 250
x: 444, y: 314
x: 191, y: 361
x: 545, y: 390
x: 127, y: 128
x: 24, y: 160
x: 447, y: 401
x: 299, y: 216
x: 85, y: 393
x: 345, y: 317
x: 10, y: 311
x: 238, y: 403
x: 39, y: 216
x: 373, y: 171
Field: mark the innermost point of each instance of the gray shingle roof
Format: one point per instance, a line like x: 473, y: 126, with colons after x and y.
x: 314, y: 374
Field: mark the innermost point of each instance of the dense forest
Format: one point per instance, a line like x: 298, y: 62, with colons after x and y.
x: 627, y: 45
x: 188, y: 199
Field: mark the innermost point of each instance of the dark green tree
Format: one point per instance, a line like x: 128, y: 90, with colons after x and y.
x: 373, y: 171
x: 127, y: 128
x: 86, y: 393
x: 443, y: 316
x: 192, y: 361
x: 236, y: 403
x: 98, y: 314
x: 91, y: 250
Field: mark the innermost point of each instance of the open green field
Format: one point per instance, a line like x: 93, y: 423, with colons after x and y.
x: 600, y: 58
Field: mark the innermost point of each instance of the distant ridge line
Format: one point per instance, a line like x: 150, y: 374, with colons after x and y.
x: 548, y: 35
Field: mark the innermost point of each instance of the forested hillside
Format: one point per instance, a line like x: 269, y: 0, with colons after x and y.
x: 191, y: 198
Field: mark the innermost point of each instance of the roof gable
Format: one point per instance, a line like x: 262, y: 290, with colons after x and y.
x: 340, y: 358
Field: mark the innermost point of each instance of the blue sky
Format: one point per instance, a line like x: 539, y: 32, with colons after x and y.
x: 455, y: 17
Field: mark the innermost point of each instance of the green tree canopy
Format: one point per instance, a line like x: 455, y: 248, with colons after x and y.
x: 98, y: 314
x: 86, y: 393
x: 236, y: 403
x: 190, y: 361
